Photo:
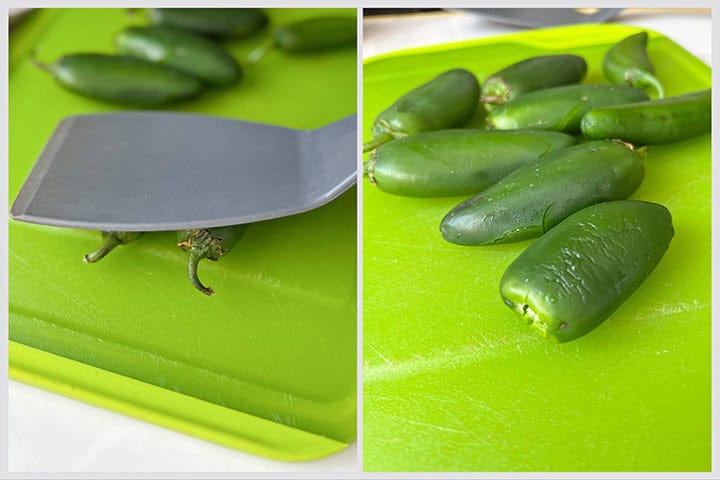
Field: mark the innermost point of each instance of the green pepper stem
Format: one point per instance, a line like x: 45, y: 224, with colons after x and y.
x: 642, y: 79
x: 377, y: 141
x: 194, y: 258
x: 260, y: 52
x: 109, y: 242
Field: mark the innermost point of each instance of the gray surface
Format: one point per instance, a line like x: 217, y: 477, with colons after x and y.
x: 150, y: 171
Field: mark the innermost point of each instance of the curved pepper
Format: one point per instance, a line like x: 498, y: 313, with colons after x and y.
x: 627, y: 63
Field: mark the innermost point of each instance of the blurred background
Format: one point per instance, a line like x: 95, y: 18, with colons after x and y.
x: 385, y: 30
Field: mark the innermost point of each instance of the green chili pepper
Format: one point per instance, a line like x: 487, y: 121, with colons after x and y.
x: 210, y: 243
x: 576, y: 275
x: 539, y: 195
x: 560, y: 108
x: 190, y: 53
x: 446, y: 101
x: 456, y: 162
x: 220, y: 22
x: 122, y: 79
x: 316, y: 33
x: 309, y: 35
x: 537, y: 73
x: 628, y: 63
x: 110, y: 241
x: 655, y: 121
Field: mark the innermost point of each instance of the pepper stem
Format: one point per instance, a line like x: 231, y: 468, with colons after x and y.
x: 194, y: 258
x: 260, y: 52
x: 642, y: 79
x: 109, y: 242
x: 377, y: 141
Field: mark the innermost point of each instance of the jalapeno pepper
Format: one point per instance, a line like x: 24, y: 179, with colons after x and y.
x: 560, y: 108
x: 110, y: 240
x: 220, y: 22
x: 537, y: 73
x: 628, y: 63
x: 122, y: 79
x: 320, y: 33
x: 210, y: 243
x: 456, y: 162
x: 656, y: 121
x: 539, y: 195
x: 576, y: 275
x: 446, y: 101
x: 316, y: 33
x: 185, y: 51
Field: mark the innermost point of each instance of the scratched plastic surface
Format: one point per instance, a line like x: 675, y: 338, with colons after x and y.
x: 278, y: 340
x: 453, y: 380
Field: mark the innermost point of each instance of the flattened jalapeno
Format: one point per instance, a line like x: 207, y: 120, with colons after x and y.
x: 577, y: 274
x: 537, y: 73
x: 627, y: 63
x: 110, y: 240
x: 655, y: 121
x: 446, y: 101
x: 210, y: 243
x: 539, y: 195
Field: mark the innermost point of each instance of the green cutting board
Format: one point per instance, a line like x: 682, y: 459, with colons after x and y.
x: 268, y: 364
x: 453, y: 380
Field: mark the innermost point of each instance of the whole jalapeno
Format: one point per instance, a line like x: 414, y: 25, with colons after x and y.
x: 110, y: 240
x: 539, y: 195
x: 311, y: 35
x: 316, y: 34
x: 537, y: 73
x: 627, y: 63
x: 560, y: 108
x: 446, y: 101
x: 122, y: 79
x: 185, y: 51
x: 655, y: 121
x: 210, y: 243
x: 219, y: 22
x: 576, y: 275
x: 456, y: 162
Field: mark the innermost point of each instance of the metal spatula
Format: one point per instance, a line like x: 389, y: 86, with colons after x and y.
x: 150, y: 171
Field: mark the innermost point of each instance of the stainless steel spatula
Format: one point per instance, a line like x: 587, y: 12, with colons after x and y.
x: 150, y: 171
